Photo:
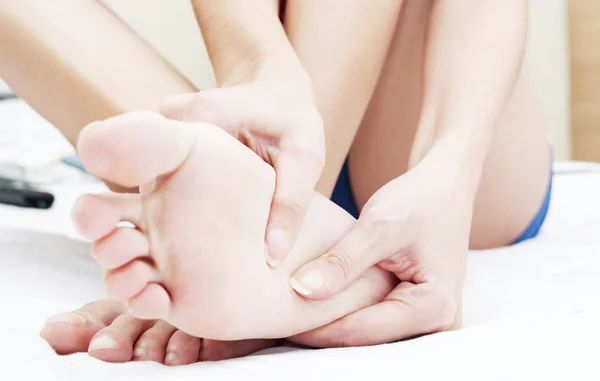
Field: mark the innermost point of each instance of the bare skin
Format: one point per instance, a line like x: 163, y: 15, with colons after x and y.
x: 385, y: 138
x: 199, y: 185
x: 122, y: 337
x: 516, y: 169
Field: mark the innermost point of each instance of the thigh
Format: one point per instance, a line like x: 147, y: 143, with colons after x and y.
x: 517, y: 169
x: 75, y: 62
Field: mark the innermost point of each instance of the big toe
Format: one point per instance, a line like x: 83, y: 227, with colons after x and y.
x: 71, y: 332
x: 134, y: 148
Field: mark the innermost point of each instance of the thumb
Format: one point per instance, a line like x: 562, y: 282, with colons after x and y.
x: 209, y: 106
x: 324, y: 277
x: 297, y: 175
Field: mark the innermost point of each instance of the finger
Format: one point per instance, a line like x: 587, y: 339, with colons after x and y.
x: 215, y: 107
x: 322, y: 278
x: 406, y: 313
x: 296, y: 178
x: 176, y: 106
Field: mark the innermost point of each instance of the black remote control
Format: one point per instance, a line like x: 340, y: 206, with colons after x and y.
x: 20, y: 193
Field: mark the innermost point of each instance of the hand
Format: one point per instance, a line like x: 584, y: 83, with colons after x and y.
x: 416, y: 226
x: 279, y: 121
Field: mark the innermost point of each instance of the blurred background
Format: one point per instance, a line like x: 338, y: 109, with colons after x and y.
x: 171, y: 27
x: 562, y: 61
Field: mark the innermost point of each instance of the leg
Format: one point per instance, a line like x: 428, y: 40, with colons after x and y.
x: 89, y: 68
x: 200, y: 239
x: 343, y: 62
x: 516, y: 172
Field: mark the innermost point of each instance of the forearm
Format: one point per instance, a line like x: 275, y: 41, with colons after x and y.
x: 473, y: 59
x: 342, y: 45
x: 245, y: 41
x: 91, y: 67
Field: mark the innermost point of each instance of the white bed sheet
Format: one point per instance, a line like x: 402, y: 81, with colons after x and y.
x: 531, y: 311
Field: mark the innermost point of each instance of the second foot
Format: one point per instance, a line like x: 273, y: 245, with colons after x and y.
x: 107, y: 333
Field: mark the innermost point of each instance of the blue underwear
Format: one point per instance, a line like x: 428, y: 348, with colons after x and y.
x: 342, y: 195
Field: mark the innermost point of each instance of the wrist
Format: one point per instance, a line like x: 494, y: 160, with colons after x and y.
x: 265, y: 65
x: 457, y: 161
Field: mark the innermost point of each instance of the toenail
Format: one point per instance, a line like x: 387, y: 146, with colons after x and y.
x: 103, y: 342
x: 71, y: 318
x: 140, y: 352
x: 171, y: 357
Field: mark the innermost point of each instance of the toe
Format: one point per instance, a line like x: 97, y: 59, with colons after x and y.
x: 94, y: 216
x: 182, y: 349
x: 120, y: 247
x: 71, y: 332
x: 129, y: 206
x: 134, y: 148
x: 129, y: 280
x: 115, y: 342
x: 152, y: 303
x: 215, y: 350
x: 152, y: 344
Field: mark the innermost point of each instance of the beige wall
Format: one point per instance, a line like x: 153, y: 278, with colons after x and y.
x: 546, y: 67
x: 170, y: 26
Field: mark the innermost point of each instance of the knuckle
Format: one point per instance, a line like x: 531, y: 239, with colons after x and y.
x: 387, y: 220
x: 376, y: 221
x: 290, y: 206
x: 310, y: 156
x: 341, y: 261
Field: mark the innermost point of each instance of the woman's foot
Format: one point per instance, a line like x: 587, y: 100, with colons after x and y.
x: 105, y: 331
x: 196, y: 256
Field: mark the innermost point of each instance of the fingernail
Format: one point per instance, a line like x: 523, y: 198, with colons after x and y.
x: 308, y: 283
x: 103, y: 342
x: 171, y: 358
x: 277, y: 242
x: 71, y: 318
